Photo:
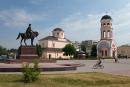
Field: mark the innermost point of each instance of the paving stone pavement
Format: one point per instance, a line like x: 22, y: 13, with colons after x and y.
x: 120, y: 68
x: 110, y: 67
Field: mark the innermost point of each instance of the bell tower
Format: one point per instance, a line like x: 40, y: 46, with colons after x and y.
x: 106, y: 28
x: 106, y: 46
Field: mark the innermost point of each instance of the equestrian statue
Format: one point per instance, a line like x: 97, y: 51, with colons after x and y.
x: 29, y: 34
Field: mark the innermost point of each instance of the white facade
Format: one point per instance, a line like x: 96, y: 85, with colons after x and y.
x: 52, y: 45
x: 106, y: 47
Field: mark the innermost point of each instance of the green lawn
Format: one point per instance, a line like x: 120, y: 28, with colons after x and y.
x: 68, y: 80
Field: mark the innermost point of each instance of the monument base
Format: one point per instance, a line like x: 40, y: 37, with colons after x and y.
x: 27, y: 53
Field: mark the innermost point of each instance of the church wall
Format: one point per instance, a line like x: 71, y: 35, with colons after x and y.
x: 52, y: 44
x: 56, y: 44
x: 43, y: 43
x: 55, y: 55
x: 106, y: 52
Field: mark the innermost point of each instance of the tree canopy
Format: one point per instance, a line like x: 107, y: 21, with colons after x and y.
x: 94, y: 50
x: 83, y: 48
x: 69, y: 50
x: 3, y: 51
x: 39, y: 50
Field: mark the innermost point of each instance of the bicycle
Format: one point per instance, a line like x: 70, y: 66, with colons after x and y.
x: 98, y: 66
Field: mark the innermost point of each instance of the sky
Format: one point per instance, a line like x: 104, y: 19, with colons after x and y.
x: 80, y: 19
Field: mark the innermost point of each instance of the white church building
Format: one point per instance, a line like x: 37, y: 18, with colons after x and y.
x: 106, y: 47
x: 52, y: 45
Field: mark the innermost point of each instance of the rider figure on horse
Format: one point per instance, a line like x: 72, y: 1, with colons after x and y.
x: 29, y: 34
x: 29, y: 31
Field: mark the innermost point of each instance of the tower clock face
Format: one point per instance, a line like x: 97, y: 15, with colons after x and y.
x: 104, y: 44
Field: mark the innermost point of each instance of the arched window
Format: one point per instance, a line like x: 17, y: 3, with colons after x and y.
x: 108, y: 33
x: 49, y: 56
x: 105, y: 52
x: 104, y: 34
x: 53, y: 44
x: 62, y: 34
x: 108, y: 23
x: 57, y: 33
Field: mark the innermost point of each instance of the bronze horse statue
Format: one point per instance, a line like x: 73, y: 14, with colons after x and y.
x: 24, y: 37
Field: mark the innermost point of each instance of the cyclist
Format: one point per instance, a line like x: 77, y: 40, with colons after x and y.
x: 98, y: 64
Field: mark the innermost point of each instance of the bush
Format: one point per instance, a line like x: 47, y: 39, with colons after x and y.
x: 30, y: 73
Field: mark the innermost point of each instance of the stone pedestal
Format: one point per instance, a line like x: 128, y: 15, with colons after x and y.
x: 28, y: 53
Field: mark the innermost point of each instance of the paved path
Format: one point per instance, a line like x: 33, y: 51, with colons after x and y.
x: 121, y: 68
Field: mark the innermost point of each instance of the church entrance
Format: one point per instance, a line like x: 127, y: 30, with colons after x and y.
x: 49, y: 56
x: 104, y: 53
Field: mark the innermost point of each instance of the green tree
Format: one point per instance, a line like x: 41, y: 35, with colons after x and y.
x: 83, y: 48
x: 13, y: 50
x: 39, y: 50
x: 94, y: 50
x: 69, y: 50
x: 3, y: 51
x: 31, y: 73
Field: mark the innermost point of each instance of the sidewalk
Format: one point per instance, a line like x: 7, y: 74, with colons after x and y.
x: 110, y: 67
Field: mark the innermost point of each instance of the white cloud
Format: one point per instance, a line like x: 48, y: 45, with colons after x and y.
x: 19, y: 17
x: 81, y: 26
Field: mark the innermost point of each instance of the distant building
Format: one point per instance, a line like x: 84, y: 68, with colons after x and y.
x: 88, y: 45
x: 77, y: 45
x: 123, y: 51
x: 106, y: 47
x: 52, y: 45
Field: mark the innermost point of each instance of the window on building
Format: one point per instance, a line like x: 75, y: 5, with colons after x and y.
x: 105, y: 52
x: 53, y: 44
x: 104, y: 34
x: 49, y: 56
x: 57, y: 33
x: 64, y: 54
x: 108, y: 23
x: 108, y: 33
x: 62, y: 34
x: 104, y: 24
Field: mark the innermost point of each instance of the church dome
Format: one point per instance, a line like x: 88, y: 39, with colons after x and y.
x: 57, y: 29
x: 106, y: 17
x: 58, y: 32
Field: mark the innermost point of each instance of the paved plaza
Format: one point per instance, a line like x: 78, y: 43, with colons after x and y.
x: 121, y: 68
